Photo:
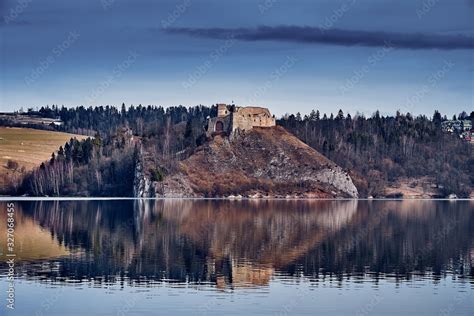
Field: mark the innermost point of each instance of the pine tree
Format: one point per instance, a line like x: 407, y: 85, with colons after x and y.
x: 340, y: 115
x: 437, y: 118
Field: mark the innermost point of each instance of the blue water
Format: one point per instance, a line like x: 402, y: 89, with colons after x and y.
x: 182, y: 257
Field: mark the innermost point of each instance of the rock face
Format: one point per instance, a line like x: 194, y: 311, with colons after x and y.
x: 262, y: 162
x: 142, y: 186
x: 176, y: 186
x: 339, y: 179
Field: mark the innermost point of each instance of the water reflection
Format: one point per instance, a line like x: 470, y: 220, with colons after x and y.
x: 234, y: 244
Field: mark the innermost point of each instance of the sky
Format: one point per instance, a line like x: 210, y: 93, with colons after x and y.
x: 290, y: 56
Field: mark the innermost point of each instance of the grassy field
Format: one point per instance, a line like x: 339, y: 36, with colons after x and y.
x: 28, y: 147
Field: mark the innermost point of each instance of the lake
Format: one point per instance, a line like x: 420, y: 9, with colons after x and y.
x: 217, y: 257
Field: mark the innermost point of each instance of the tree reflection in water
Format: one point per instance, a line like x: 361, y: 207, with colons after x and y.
x: 243, y: 243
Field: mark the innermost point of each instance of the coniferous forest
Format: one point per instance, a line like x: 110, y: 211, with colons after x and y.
x: 377, y: 150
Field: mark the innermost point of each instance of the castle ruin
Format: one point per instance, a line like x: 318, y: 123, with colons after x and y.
x: 231, y: 118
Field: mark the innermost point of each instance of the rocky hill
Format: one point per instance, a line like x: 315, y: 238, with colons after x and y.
x: 262, y: 162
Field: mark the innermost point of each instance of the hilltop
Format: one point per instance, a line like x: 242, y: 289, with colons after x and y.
x: 261, y: 162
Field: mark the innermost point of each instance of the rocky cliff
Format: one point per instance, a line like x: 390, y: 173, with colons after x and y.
x: 262, y: 162
x: 142, y: 185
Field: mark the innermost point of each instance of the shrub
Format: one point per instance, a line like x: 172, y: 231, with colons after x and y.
x: 12, y: 165
x: 156, y: 175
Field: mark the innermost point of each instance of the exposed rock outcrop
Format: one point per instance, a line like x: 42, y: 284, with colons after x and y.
x: 339, y: 179
x: 263, y: 162
x: 142, y: 186
x: 176, y: 186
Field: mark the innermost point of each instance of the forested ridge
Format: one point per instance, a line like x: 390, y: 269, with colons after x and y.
x: 383, y: 149
x: 377, y: 150
x: 104, y: 164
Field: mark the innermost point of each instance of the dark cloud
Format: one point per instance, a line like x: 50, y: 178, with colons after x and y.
x: 315, y: 35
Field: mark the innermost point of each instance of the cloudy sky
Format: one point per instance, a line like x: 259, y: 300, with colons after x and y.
x: 296, y: 55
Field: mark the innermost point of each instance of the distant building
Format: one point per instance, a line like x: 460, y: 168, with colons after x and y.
x: 463, y: 128
x: 452, y: 126
x: 25, y: 119
x: 466, y: 125
x: 57, y: 123
x: 230, y: 118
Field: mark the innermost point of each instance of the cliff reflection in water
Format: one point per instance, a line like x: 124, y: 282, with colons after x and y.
x: 244, y: 243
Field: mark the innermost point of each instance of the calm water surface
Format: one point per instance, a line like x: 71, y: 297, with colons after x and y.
x: 204, y: 257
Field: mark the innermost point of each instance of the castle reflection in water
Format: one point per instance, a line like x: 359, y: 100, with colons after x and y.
x: 232, y: 244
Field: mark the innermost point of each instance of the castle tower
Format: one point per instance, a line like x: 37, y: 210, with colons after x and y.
x: 222, y: 110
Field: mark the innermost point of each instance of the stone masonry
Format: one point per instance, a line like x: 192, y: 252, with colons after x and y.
x: 231, y: 118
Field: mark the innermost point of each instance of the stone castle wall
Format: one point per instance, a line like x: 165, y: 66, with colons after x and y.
x: 231, y: 118
x: 226, y: 122
x: 249, y: 117
x: 222, y: 110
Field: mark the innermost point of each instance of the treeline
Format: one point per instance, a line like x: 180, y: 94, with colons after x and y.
x: 143, y: 120
x: 383, y: 149
x: 104, y: 165
x: 378, y: 149
x: 169, y: 130
x: 84, y: 168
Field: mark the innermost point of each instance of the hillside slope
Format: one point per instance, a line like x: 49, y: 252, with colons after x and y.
x: 261, y: 162
x: 26, y: 148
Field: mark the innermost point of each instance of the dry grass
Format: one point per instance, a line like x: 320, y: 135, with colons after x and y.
x: 28, y: 147
x: 413, y: 188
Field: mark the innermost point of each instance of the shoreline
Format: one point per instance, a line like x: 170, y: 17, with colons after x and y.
x: 16, y: 198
